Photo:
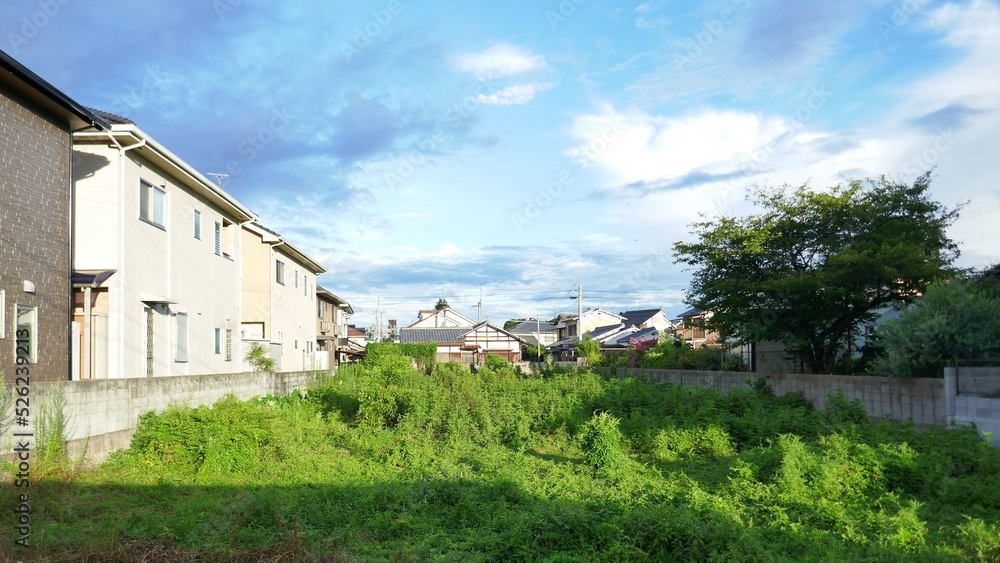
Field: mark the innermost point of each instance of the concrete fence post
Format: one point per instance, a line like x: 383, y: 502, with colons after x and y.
x: 950, y: 392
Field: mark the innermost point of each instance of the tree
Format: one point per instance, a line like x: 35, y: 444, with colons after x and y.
x: 954, y: 320
x: 814, y: 265
x: 589, y: 348
x: 442, y: 304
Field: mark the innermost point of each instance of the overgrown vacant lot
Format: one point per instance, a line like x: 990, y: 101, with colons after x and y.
x: 385, y: 463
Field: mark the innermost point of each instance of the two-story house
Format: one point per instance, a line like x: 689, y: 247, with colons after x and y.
x: 279, y: 298
x: 156, y: 260
x: 332, y: 313
x: 36, y: 121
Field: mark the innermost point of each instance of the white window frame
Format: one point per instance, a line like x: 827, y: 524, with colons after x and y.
x: 218, y: 341
x: 279, y: 272
x: 153, y: 198
x: 218, y: 238
x: 197, y: 224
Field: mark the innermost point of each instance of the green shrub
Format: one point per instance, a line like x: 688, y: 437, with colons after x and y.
x: 601, y: 441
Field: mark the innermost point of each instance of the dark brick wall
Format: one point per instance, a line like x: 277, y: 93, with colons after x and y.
x: 35, y: 232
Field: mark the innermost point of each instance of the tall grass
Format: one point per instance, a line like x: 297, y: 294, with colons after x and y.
x: 383, y: 462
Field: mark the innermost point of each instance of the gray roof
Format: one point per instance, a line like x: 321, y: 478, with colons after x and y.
x: 530, y: 327
x: 638, y: 317
x: 416, y: 335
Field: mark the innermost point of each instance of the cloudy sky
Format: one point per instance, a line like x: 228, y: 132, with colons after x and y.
x: 510, y: 149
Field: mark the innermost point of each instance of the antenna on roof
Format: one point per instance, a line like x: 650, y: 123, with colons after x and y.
x: 218, y: 177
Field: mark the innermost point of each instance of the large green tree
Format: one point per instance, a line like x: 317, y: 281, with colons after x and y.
x: 811, y: 266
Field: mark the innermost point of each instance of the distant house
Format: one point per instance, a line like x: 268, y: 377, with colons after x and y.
x: 443, y: 318
x: 156, y: 260
x: 569, y: 326
x: 36, y: 167
x: 648, y: 318
x: 532, y: 332
x: 614, y: 338
x: 467, y: 345
x: 690, y: 325
x: 279, y: 298
x: 332, y: 313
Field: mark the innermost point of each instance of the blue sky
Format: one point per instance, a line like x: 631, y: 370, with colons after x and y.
x: 510, y: 149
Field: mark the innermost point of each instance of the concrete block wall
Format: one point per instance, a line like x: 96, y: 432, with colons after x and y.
x: 922, y: 400
x: 103, y: 413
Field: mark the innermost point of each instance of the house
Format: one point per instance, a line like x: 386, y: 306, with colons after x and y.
x: 532, y: 332
x: 441, y: 318
x: 567, y: 324
x: 156, y: 260
x: 279, y: 298
x: 331, y: 328
x: 36, y: 122
x: 467, y: 345
x: 690, y: 325
x: 648, y: 318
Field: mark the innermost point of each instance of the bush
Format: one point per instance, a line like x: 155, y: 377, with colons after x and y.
x: 953, y: 320
x: 602, y: 442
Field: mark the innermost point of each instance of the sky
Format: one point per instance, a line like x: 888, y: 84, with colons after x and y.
x: 503, y: 152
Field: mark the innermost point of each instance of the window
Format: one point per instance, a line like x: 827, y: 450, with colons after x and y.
x: 305, y: 286
x: 279, y: 272
x: 149, y: 342
x: 296, y: 278
x: 218, y: 238
x: 26, y: 333
x: 151, y: 203
x: 229, y: 344
x: 218, y: 340
x: 197, y: 224
x: 182, y: 338
x: 226, y: 239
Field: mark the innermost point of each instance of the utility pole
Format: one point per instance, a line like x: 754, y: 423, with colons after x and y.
x: 579, y: 308
x: 378, y: 318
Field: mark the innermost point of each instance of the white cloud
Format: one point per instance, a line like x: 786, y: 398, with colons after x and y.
x: 500, y: 61
x: 519, y: 94
x: 642, y: 148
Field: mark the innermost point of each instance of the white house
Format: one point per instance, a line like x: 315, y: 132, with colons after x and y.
x: 279, y: 298
x: 156, y: 261
x: 467, y: 345
x: 443, y: 318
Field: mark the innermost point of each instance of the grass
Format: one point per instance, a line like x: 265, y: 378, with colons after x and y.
x: 384, y: 463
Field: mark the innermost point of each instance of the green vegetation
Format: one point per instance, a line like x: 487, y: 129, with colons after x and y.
x: 590, y: 349
x: 385, y: 463
x: 673, y: 353
x: 954, y: 320
x: 813, y: 266
x: 425, y: 354
x: 258, y: 359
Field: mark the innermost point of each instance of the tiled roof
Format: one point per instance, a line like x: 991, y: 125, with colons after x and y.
x: 644, y: 334
x: 112, y: 118
x: 432, y: 334
x: 530, y: 327
x: 639, y: 316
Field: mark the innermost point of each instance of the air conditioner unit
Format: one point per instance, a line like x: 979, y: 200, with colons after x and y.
x: 324, y: 326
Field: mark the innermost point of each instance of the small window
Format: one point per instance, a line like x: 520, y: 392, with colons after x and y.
x: 229, y: 344
x: 218, y: 238
x: 305, y: 285
x: 279, y: 272
x: 226, y: 239
x: 218, y: 340
x: 151, y: 203
x: 197, y: 224
x: 182, y: 338
x: 296, y: 278
x: 26, y: 334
